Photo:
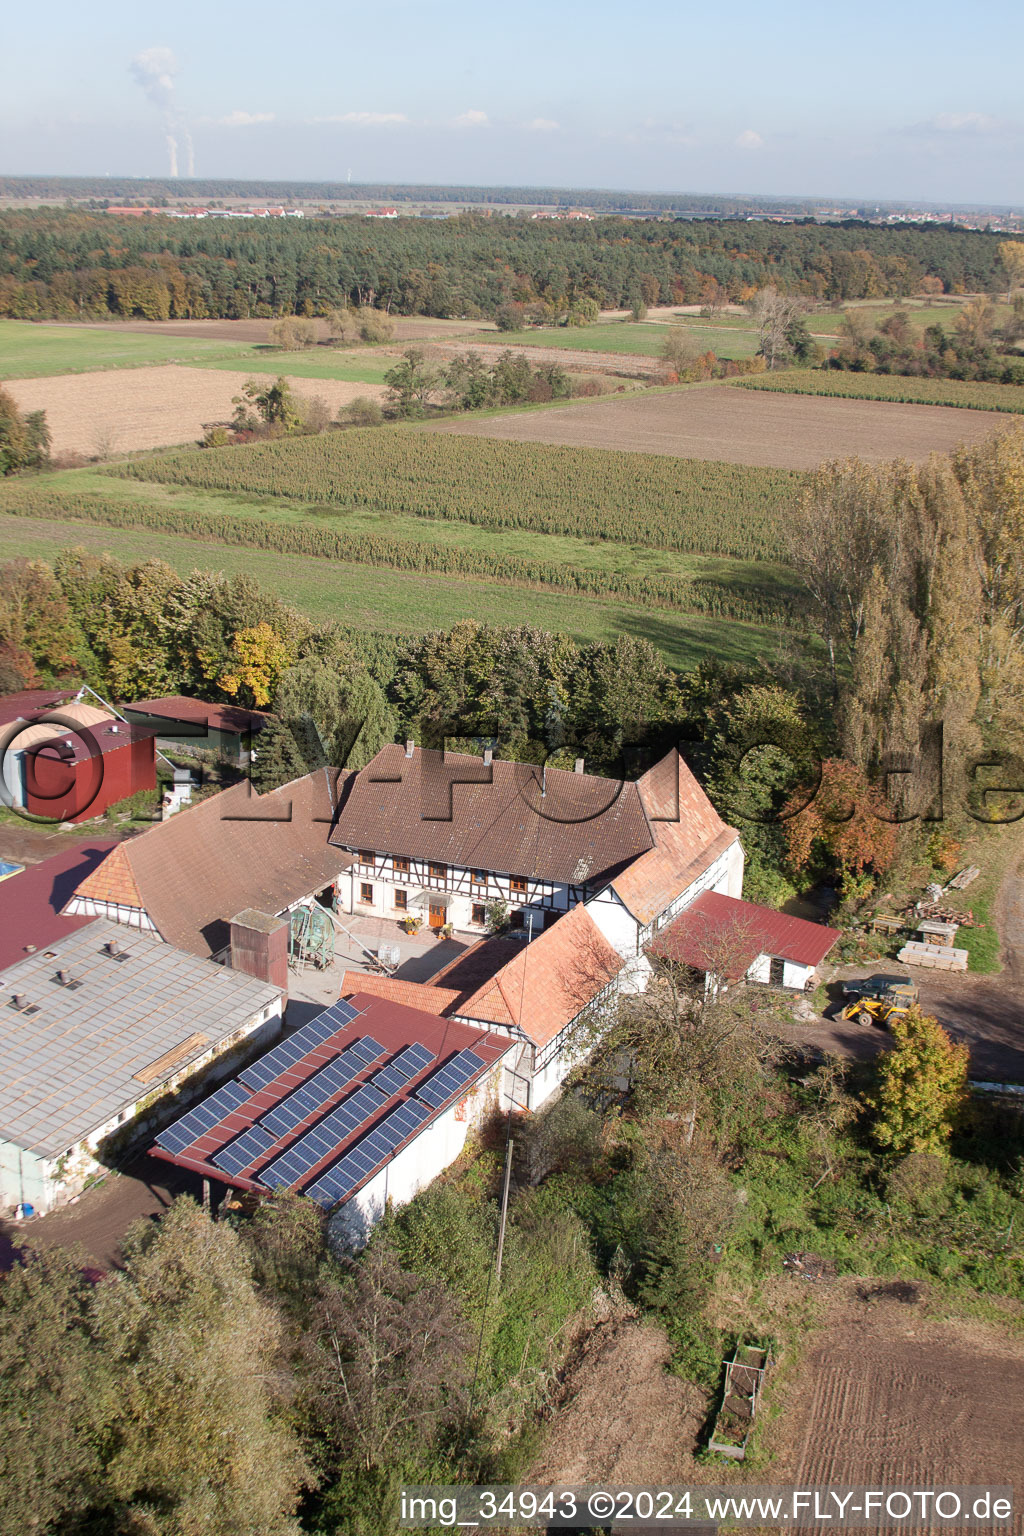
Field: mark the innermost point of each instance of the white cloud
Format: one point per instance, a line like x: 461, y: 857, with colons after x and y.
x: 749, y: 139
x: 364, y: 119
x: 245, y: 119
x: 471, y: 119
x: 542, y: 125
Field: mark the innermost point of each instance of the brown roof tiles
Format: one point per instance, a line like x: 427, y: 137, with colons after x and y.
x: 413, y: 994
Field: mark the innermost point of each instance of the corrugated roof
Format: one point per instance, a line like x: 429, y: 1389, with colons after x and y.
x: 32, y: 701
x: 73, y: 1064
x: 31, y: 902
x: 725, y: 935
x: 220, y: 717
x: 191, y: 874
x: 452, y: 808
x: 547, y: 983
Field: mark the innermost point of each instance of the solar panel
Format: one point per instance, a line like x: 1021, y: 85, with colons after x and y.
x: 410, y: 1060
x: 324, y: 1138
x: 203, y: 1118
x: 371, y: 1152
x: 281, y: 1057
x: 450, y: 1078
x: 313, y: 1094
x: 244, y: 1150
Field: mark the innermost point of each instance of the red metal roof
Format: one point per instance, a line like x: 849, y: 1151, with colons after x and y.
x: 390, y: 1023
x: 219, y: 717
x: 718, y: 932
x: 31, y: 702
x: 30, y: 902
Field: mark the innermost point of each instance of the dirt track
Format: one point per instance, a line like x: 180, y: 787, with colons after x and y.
x: 99, y: 414
x: 742, y: 426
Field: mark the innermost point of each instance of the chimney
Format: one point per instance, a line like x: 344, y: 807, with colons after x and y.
x: 259, y: 947
x: 410, y: 747
x: 488, y: 756
x: 544, y: 781
x: 19, y: 999
x: 64, y: 977
x: 577, y: 767
x: 112, y: 947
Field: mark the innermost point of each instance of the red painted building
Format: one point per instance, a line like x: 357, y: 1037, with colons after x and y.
x: 75, y: 761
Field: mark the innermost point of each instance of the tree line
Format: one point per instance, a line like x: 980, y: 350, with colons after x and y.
x: 70, y: 264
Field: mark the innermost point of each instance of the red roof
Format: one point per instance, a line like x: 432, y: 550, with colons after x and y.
x: 415, y: 994
x: 393, y: 1026
x: 30, y: 902
x: 31, y: 702
x: 720, y: 933
x: 219, y: 717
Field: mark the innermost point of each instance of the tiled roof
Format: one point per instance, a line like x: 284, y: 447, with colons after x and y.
x: 452, y: 808
x: 547, y: 983
x: 219, y: 717
x: 720, y: 933
x: 31, y: 902
x: 413, y: 994
x: 191, y: 874
x: 688, y: 836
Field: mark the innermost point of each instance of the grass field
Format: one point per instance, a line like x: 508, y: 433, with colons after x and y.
x: 628, y: 338
x: 838, y: 384
x: 41, y: 351
x: 405, y: 603
x: 360, y: 366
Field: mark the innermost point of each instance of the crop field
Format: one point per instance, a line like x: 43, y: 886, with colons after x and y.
x: 738, y: 426
x: 691, y: 506
x: 30, y: 351
x: 757, y: 592
x: 838, y: 384
x: 403, y: 602
x: 99, y: 414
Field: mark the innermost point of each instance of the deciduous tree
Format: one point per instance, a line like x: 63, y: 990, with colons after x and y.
x: 920, y: 1086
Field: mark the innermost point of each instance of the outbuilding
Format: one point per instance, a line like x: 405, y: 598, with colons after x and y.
x: 729, y: 939
x: 223, y: 731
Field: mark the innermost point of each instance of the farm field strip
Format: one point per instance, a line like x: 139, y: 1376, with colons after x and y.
x: 639, y: 339
x: 126, y: 410
x: 407, y: 603
x: 693, y: 507
x: 738, y: 426
x: 29, y: 351
x: 836, y: 383
x: 751, y: 591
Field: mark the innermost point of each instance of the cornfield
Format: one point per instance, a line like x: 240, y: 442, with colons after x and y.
x: 689, y: 505
x: 839, y: 384
x: 776, y: 601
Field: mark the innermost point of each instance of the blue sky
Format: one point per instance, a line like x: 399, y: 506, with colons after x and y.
x: 902, y: 100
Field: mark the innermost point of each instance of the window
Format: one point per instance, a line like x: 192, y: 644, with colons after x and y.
x: 402, y: 900
x: 479, y: 914
x: 517, y: 884
x: 438, y: 871
x: 480, y: 877
x: 367, y: 856
x: 366, y: 893
x: 401, y: 866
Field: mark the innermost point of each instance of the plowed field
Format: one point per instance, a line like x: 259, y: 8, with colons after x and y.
x: 99, y: 414
x: 741, y: 426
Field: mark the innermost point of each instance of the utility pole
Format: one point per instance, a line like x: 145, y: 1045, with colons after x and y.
x: 504, y: 1211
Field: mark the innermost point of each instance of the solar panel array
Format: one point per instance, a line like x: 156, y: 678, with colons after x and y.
x: 409, y: 1061
x: 203, y: 1118
x: 245, y: 1149
x: 323, y: 1085
x: 324, y: 1138
x: 362, y: 1160
x: 451, y: 1077
x: 285, y: 1055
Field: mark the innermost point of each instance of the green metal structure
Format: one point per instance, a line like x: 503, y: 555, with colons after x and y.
x: 310, y: 938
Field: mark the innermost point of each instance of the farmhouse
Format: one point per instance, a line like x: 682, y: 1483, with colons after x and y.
x: 442, y: 836
x: 185, y: 879
x: 73, y: 761
x: 729, y: 939
x: 96, y: 1031
x: 365, y: 1104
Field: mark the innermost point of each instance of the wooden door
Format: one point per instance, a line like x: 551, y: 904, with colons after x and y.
x: 437, y: 917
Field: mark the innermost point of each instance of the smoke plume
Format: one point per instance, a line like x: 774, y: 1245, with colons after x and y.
x: 154, y: 70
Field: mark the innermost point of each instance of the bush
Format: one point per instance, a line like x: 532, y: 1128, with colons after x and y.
x: 361, y: 412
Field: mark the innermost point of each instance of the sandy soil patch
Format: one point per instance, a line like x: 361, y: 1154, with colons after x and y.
x: 99, y: 414
x: 741, y: 426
